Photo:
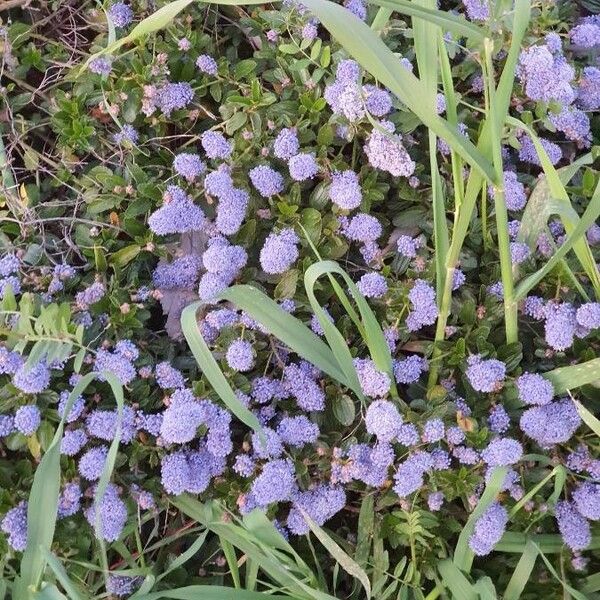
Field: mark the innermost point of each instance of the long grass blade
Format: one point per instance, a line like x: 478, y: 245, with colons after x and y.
x: 460, y: 587
x: 211, y: 592
x: 572, y: 377
x: 349, y: 565
x: 522, y: 572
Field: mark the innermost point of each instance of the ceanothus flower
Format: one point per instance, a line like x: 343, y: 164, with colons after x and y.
x: 178, y: 214
x: 485, y: 375
x: 14, y: 525
x: 266, y: 180
x: 286, y: 144
x: 501, y: 452
x: 374, y: 383
x: 301, y: 385
x: 276, y: 483
x: 424, y: 308
x: 91, y: 464
x: 297, y: 431
x: 550, y: 424
x: 188, y: 165
x: 216, y: 145
x: 231, y: 211
x: 240, y: 355
x: 303, y: 166
x: 498, y: 419
x: 534, y: 389
x: 27, y: 419
x: 573, y: 527
x: 489, y: 529
x: 120, y: 14
x: 279, y: 251
x: 372, y: 285
x: 320, y: 503
x: 586, y: 498
x: 409, y: 476
x: 383, y: 420
x: 32, y: 380
x: 345, y: 190
x: 168, y: 377
x: 207, y: 64
x: 113, y: 514
x: 560, y: 325
x: 361, y: 228
x: 588, y: 315
x: 385, y: 151
x: 173, y: 96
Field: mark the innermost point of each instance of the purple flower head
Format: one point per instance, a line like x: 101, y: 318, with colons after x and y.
x: 27, y: 419
x: 321, y: 503
x: 345, y: 190
x: 32, y: 380
x: 519, y: 252
x: 433, y: 431
x: 69, y: 501
x: 73, y: 441
x: 116, y: 364
x: 348, y: 70
x: 182, y: 273
x: 552, y: 423
x: 279, y: 251
x: 301, y: 385
x: 485, y: 375
x: 120, y: 14
x: 267, y: 181
x: 372, y: 285
x: 498, y: 421
x: 122, y: 585
x: 309, y: 32
x: 488, y: 530
x: 534, y: 389
x: 297, y: 431
x: 357, y: 7
x: 535, y: 307
x: 362, y: 228
x: 91, y: 464
x: 455, y: 435
x: 383, y: 420
x: 588, y: 315
x: 231, y: 211
x: 90, y: 295
x: 574, y: 123
x: 240, y: 355
x: 216, y: 145
x: 435, y: 500
x: 410, y: 473
x: 303, y: 166
x: 178, y: 214
x: 188, y: 165
x: 286, y: 144
x: 127, y: 134
x: 408, y: 246
x: 374, y: 383
x: 528, y: 153
x: 276, y: 483
x: 586, y: 35
x: 501, y: 452
x: 424, y: 308
x: 244, y: 465
x: 168, y: 377
x: 207, y: 64
x: 560, y: 325
x: 9, y: 264
x: 113, y: 514
x: 13, y: 282
x: 182, y: 418
x: 173, y: 96
x: 586, y: 498
x: 573, y: 527
x: 218, y: 183
x: 14, y: 525
x: 386, y: 152
x: 7, y: 425
x: 588, y: 91
x: 377, y: 101
x: 101, y: 66
x: 477, y: 10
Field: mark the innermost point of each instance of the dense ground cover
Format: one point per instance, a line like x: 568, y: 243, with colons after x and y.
x: 300, y: 299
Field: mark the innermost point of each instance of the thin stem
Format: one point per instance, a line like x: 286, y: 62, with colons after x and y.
x: 510, y: 305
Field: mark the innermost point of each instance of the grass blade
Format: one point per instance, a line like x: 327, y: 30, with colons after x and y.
x: 286, y: 328
x: 522, y: 572
x: 456, y: 582
x: 572, y: 377
x: 211, y: 592
x: 568, y: 215
x: 349, y: 565
x: 588, y: 418
x: 568, y: 588
x: 61, y: 574
x: 369, y: 50
x: 211, y: 369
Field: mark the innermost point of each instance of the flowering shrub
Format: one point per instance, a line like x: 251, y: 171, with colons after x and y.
x: 241, y: 309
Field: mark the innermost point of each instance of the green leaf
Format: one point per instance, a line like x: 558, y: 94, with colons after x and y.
x: 237, y: 121
x: 125, y: 255
x: 522, y: 573
x: 456, y: 582
x: 210, y: 592
x: 570, y: 378
x: 351, y: 567
x: 369, y: 50
x: 344, y: 410
x: 211, y: 369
